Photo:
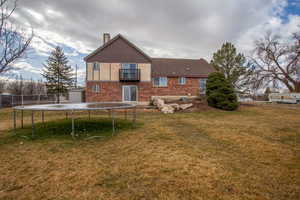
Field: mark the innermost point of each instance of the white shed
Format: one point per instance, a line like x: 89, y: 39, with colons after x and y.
x: 76, y: 95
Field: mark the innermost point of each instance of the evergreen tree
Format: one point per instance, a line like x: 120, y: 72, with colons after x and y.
x: 57, y: 72
x: 232, y: 65
x: 220, y: 93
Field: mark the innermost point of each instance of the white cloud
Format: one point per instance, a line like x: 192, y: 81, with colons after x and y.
x: 25, y: 66
x: 73, y: 54
x: 275, y: 25
x: 44, y: 41
x: 35, y: 15
x: 169, y: 28
x: 165, y: 28
x: 53, y: 13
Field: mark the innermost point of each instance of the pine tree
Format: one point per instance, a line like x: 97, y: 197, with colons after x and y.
x: 232, y: 65
x: 220, y: 93
x: 57, y: 72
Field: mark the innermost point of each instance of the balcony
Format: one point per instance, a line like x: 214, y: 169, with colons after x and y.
x: 129, y: 74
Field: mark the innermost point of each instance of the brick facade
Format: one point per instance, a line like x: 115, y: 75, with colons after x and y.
x: 112, y: 90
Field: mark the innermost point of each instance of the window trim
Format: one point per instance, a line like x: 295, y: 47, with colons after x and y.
x: 159, y: 81
x: 182, y: 78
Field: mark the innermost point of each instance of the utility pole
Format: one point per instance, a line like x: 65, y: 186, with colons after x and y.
x: 22, y: 92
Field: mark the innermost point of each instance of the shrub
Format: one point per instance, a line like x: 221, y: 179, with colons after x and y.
x: 220, y: 93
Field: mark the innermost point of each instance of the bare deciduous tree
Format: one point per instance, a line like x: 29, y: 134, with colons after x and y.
x: 16, y: 87
x: 2, y: 86
x: 29, y: 87
x: 13, y: 42
x: 277, y: 61
x: 41, y: 88
x: 26, y: 87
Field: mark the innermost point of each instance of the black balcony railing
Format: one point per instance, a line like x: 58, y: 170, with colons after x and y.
x: 129, y: 74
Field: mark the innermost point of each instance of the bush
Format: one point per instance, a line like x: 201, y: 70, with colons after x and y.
x: 220, y: 93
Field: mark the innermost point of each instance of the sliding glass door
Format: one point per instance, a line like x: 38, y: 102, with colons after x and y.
x: 129, y: 93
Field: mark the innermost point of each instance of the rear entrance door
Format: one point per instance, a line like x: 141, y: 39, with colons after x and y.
x: 129, y: 93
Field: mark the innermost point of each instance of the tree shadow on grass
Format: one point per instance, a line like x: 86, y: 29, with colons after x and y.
x: 62, y: 128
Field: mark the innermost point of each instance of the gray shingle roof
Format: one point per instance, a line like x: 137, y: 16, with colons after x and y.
x: 181, y: 67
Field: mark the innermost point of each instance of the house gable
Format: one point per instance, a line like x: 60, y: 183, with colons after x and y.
x: 118, y: 50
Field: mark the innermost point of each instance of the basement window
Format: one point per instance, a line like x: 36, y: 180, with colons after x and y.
x: 96, y: 88
x: 160, y: 81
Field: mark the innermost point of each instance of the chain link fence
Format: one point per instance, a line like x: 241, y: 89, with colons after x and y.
x: 16, y: 100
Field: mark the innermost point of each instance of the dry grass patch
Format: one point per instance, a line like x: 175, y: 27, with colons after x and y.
x: 248, y: 154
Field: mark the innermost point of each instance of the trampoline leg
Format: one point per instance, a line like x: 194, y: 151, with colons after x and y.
x: 113, y: 121
x: 32, y: 124
x: 43, y: 119
x: 22, y: 114
x: 73, y: 126
x: 14, y: 122
x: 134, y: 115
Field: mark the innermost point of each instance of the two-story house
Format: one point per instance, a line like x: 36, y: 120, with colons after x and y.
x: 120, y: 71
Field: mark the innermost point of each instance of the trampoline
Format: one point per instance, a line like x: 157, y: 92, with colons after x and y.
x: 70, y: 109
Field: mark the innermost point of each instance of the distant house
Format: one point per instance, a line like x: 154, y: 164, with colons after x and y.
x: 120, y: 71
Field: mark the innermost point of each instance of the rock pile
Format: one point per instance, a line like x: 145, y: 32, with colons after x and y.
x: 169, y: 108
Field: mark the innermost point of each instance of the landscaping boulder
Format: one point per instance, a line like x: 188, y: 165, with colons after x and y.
x: 160, y: 103
x: 175, y: 106
x: 185, y: 106
x: 154, y: 101
x: 166, y: 109
x: 169, y: 108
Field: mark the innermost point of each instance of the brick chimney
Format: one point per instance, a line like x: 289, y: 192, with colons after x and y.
x: 106, y: 37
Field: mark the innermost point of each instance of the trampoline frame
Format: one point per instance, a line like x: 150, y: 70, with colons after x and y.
x: 69, y: 109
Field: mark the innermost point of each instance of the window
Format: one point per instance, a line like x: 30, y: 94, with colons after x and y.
x: 182, y: 80
x: 202, y: 84
x: 160, y: 81
x: 130, y: 92
x: 129, y: 66
x: 96, y: 88
x: 129, y: 71
x: 96, y: 66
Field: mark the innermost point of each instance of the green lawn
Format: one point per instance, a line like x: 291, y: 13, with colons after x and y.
x: 253, y: 153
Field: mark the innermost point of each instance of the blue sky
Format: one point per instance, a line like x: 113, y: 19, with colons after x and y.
x: 293, y: 7
x: 169, y: 28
